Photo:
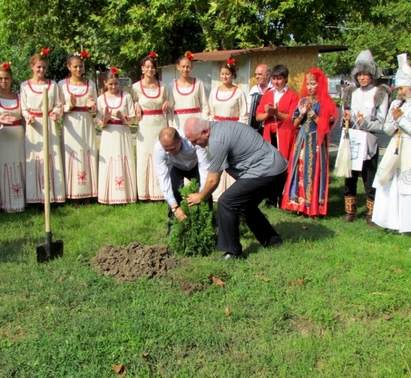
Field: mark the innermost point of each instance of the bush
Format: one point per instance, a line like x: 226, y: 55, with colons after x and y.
x: 195, y: 236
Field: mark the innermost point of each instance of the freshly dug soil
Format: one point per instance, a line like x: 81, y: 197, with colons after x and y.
x: 128, y: 263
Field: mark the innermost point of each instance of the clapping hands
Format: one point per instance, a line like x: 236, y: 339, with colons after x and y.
x: 7, y: 119
x: 397, y: 113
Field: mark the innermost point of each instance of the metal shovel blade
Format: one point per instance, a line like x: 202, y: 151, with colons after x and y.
x: 49, y: 250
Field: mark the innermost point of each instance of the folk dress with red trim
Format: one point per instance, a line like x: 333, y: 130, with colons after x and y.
x: 79, y: 140
x: 117, y: 170
x: 231, y: 107
x: 12, y: 159
x: 285, y: 130
x: 306, y: 189
x: 153, y: 120
x: 227, y: 106
x: 186, y: 102
x: 32, y: 102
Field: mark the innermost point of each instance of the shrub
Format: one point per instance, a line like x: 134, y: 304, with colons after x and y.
x: 195, y: 236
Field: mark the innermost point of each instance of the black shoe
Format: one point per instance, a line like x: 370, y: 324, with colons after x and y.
x: 269, y: 204
x: 230, y: 256
x: 275, y: 242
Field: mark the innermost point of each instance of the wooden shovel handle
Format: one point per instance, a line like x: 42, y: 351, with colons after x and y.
x: 46, y: 160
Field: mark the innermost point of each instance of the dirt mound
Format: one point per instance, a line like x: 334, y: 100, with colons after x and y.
x: 128, y: 263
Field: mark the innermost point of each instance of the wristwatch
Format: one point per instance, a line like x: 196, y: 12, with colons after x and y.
x: 174, y: 209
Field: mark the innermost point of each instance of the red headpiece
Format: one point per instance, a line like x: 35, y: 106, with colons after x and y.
x: 328, y: 109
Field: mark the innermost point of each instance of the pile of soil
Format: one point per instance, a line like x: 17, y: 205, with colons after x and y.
x: 128, y: 263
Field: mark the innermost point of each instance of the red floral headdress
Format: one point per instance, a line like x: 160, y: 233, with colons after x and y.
x: 84, y: 54
x: 230, y: 62
x: 153, y: 55
x: 5, y: 65
x: 45, y: 51
x: 114, y: 70
x: 189, y: 55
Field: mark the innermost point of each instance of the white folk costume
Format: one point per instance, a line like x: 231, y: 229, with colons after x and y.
x: 117, y: 172
x: 227, y: 106
x: 186, y: 102
x: 79, y: 140
x: 32, y: 104
x: 12, y: 161
x: 372, y: 103
x: 393, y: 200
x: 152, y: 121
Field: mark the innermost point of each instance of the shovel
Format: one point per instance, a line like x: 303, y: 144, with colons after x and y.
x: 49, y: 250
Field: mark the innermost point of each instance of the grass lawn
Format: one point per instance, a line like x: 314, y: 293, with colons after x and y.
x: 334, y: 301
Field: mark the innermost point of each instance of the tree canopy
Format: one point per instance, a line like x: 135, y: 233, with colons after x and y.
x: 121, y: 32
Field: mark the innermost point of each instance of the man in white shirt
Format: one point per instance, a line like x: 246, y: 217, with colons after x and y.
x: 175, y: 158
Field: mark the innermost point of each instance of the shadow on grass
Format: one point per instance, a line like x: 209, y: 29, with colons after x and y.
x: 294, y: 232
x: 18, y: 242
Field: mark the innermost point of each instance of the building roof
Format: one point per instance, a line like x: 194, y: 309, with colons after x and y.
x: 226, y: 54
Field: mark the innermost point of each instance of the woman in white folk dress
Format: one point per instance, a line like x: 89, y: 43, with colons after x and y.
x: 31, y: 92
x: 117, y: 172
x: 79, y: 96
x: 227, y: 103
x: 150, y: 97
x: 12, y: 162
x: 392, y: 206
x: 186, y: 95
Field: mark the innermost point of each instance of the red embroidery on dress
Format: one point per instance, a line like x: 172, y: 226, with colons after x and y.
x: 82, y: 177
x: 17, y: 191
x: 49, y: 85
x: 145, y: 94
x: 13, y: 107
x: 119, y: 182
x: 188, y: 93
x: 121, y: 100
x: 76, y: 95
x: 229, y: 98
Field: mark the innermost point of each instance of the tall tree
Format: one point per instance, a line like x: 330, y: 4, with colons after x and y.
x: 384, y: 30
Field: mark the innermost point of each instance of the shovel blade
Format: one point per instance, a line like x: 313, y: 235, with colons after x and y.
x: 49, y: 251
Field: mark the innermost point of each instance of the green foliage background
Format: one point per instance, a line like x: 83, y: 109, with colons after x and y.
x: 195, y: 236
x: 120, y: 33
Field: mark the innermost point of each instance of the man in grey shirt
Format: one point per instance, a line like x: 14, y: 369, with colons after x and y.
x: 258, y: 169
x: 175, y: 159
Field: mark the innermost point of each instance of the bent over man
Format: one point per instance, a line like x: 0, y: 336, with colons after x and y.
x: 258, y: 169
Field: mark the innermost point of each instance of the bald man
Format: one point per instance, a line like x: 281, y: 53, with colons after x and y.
x: 262, y: 75
x: 258, y: 168
x: 175, y: 158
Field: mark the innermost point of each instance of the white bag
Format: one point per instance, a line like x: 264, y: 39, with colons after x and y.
x: 358, y: 145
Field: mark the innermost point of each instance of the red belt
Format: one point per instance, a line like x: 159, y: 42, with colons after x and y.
x: 153, y: 112
x: 220, y: 118
x: 37, y: 114
x: 79, y: 109
x: 187, y: 111
x: 114, y: 122
x: 14, y: 123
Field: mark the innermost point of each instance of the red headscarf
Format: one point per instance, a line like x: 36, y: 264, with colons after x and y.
x: 328, y: 109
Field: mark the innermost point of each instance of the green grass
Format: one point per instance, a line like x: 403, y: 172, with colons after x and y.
x: 334, y: 301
